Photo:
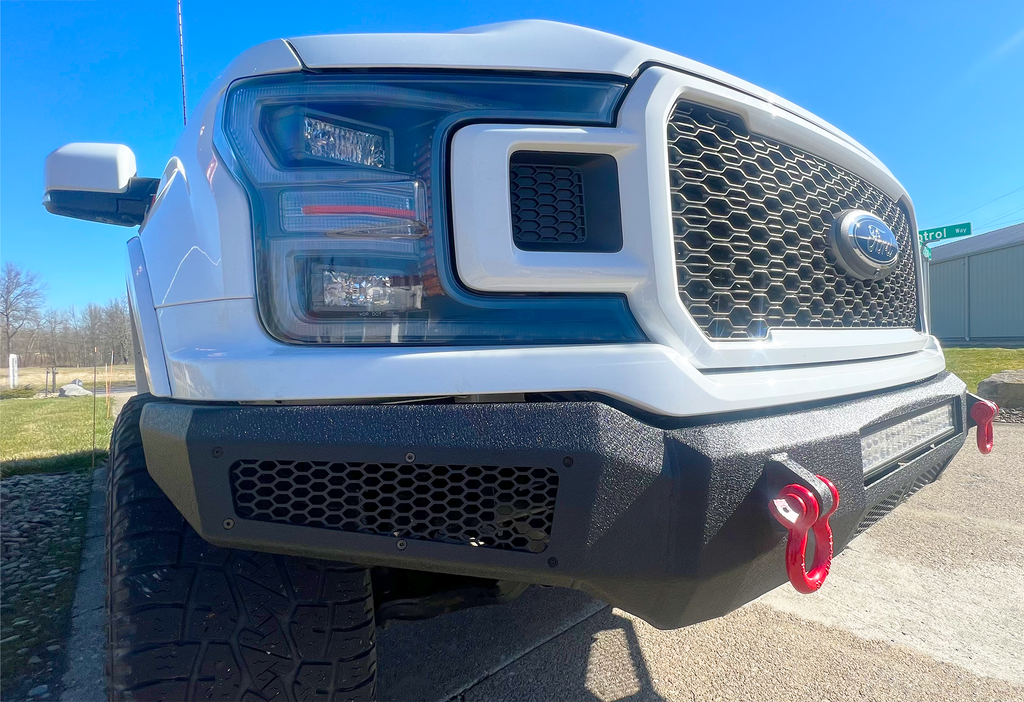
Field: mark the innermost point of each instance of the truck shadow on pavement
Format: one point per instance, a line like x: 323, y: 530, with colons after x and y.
x: 548, y: 644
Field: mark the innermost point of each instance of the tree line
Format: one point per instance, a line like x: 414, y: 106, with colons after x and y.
x: 48, y: 336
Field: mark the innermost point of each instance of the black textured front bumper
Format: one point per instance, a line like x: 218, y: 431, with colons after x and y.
x: 670, y: 525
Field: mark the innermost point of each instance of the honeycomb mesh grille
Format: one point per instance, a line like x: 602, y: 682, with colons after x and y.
x: 547, y: 204
x: 503, y: 507
x: 890, y: 503
x: 750, y: 218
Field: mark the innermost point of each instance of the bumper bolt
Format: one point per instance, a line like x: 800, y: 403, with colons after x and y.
x: 552, y: 562
x: 228, y: 523
x: 567, y: 461
x: 402, y: 543
x: 217, y: 453
x: 410, y: 457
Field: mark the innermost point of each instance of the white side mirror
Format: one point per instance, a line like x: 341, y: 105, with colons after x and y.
x: 97, y: 182
x: 97, y: 168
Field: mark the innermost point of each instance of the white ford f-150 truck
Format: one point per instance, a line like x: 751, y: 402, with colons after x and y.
x: 423, y: 319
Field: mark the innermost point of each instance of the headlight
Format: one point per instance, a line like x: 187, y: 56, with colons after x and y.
x: 346, y: 179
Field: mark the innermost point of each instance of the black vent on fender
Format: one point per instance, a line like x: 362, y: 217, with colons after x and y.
x: 504, y: 507
x: 565, y: 202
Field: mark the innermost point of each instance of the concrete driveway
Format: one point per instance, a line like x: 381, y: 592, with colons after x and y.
x: 926, y: 605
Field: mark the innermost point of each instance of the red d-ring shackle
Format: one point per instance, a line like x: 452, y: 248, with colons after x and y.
x: 797, y: 509
x: 982, y: 413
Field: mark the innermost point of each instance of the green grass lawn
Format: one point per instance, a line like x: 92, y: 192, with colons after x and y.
x: 51, y: 435
x: 974, y: 365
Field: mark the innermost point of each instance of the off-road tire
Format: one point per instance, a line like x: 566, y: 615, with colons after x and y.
x: 191, y: 621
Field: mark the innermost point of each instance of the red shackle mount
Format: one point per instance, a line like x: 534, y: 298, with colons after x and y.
x: 981, y: 412
x: 804, y: 505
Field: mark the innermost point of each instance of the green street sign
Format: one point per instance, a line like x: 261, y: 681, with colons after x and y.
x: 951, y: 231
x: 927, y: 252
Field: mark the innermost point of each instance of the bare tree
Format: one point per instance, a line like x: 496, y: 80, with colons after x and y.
x: 118, y: 329
x: 53, y: 322
x: 76, y: 338
x: 21, y: 295
x: 60, y: 337
x: 93, y: 323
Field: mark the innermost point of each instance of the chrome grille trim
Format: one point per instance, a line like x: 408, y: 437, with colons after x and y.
x: 750, y: 221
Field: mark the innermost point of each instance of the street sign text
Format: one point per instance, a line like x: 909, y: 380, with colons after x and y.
x: 951, y: 231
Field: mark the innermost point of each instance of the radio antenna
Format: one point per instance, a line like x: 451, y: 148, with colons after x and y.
x: 181, y: 54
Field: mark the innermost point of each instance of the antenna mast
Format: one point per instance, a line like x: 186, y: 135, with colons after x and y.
x: 181, y: 54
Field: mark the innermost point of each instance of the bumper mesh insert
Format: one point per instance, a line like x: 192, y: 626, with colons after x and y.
x: 882, y: 508
x: 751, y: 217
x: 503, y: 507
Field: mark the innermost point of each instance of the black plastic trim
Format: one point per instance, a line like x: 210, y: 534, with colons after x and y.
x: 127, y: 209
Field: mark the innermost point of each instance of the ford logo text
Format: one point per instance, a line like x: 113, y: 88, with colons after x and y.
x: 864, y: 245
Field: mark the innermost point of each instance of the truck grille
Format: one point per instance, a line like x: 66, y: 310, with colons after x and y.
x: 503, y: 507
x: 751, y: 218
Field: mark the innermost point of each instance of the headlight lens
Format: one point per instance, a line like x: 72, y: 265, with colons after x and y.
x: 345, y: 178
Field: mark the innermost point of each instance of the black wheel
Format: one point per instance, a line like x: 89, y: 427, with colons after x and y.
x: 190, y: 621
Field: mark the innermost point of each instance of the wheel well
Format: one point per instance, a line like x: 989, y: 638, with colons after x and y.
x: 400, y: 594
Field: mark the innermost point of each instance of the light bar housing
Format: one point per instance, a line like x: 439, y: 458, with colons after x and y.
x: 883, y: 447
x: 346, y: 178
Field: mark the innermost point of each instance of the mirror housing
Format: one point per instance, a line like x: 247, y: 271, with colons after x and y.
x: 97, y: 182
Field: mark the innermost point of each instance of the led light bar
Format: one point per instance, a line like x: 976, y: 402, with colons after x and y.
x: 883, y: 447
x: 391, y: 210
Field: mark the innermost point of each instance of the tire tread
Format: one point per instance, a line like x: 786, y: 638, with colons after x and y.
x: 192, y: 621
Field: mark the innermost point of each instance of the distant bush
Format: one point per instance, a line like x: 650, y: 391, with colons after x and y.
x: 14, y: 393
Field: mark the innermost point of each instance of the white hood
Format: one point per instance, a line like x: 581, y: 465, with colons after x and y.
x: 524, y: 45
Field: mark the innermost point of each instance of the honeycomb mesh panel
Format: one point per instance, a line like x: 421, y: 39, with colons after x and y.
x: 750, y: 224
x: 547, y: 204
x: 890, y: 503
x: 503, y: 507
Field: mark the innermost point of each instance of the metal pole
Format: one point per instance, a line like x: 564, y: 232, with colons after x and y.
x: 967, y: 298
x: 181, y: 54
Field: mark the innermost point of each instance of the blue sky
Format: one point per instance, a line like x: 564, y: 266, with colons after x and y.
x: 944, y: 83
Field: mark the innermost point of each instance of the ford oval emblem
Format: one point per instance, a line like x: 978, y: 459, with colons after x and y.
x: 864, y: 245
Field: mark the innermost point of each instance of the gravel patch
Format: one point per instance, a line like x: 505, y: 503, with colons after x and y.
x: 1010, y: 415
x: 41, y: 531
